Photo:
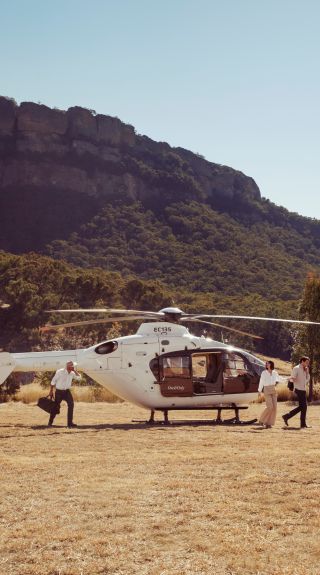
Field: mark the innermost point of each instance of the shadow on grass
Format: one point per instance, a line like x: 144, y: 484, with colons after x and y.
x: 134, y: 425
x: 149, y: 426
x: 138, y: 425
x: 290, y: 428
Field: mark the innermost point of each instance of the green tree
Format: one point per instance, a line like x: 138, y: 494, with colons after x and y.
x: 307, y: 337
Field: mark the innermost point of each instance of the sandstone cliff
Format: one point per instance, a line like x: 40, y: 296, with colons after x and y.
x: 57, y: 168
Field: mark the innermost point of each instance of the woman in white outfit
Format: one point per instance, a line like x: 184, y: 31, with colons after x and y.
x: 268, y: 380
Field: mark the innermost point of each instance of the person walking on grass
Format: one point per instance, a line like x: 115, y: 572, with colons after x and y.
x: 268, y: 380
x: 300, y: 377
x: 61, y: 382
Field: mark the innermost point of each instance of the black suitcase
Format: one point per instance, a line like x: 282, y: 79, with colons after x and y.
x: 47, y: 404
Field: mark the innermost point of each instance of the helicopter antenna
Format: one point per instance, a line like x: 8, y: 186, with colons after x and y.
x: 224, y: 338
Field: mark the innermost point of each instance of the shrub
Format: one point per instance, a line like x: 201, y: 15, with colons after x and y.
x: 9, y: 388
x: 89, y: 394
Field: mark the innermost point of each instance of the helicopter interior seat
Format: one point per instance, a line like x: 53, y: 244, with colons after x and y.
x: 213, y: 378
x: 213, y: 373
x: 214, y: 382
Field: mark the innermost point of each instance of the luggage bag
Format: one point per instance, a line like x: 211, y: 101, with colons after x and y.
x: 48, y: 405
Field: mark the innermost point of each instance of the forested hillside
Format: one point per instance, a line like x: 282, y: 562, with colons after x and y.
x: 34, y: 284
x: 193, y: 246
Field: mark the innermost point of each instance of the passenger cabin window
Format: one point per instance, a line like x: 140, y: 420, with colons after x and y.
x: 175, y: 366
x: 107, y: 347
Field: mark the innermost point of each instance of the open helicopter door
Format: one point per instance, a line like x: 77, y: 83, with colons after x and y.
x: 207, y: 372
x: 175, y: 375
x: 186, y: 374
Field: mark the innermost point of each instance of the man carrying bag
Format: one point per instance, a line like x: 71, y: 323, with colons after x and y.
x: 61, y: 382
x: 300, y: 377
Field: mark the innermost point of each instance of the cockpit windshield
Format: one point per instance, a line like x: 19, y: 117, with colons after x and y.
x: 256, y: 363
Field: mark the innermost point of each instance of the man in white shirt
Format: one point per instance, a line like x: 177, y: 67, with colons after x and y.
x: 62, y: 381
x: 301, y: 377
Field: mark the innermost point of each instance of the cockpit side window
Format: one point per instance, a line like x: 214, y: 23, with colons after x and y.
x: 234, y: 364
x: 238, y: 374
x: 154, y: 366
x: 256, y: 364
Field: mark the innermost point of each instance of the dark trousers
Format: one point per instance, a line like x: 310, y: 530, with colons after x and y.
x: 302, y: 407
x: 63, y: 395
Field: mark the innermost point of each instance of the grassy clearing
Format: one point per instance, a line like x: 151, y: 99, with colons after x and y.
x: 115, y: 497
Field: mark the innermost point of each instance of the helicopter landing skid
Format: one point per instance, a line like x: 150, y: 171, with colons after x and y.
x: 218, y: 421
x: 234, y: 421
x: 195, y: 422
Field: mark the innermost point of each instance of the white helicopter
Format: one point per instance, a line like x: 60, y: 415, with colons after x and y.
x: 163, y: 366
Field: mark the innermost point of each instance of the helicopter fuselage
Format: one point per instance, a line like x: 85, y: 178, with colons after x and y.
x: 161, y: 367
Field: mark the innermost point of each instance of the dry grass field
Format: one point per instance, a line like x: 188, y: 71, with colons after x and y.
x: 115, y: 497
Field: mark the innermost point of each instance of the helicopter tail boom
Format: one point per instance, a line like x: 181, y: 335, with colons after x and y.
x: 7, y: 365
x: 34, y: 361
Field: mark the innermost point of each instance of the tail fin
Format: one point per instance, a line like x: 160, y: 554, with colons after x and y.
x: 7, y: 365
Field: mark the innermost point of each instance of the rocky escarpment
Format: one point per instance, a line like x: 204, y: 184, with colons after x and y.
x: 58, y: 168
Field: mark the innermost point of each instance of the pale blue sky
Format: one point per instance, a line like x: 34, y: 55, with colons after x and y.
x: 234, y: 80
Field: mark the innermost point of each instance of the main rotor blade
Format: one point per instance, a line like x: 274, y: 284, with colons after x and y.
x: 306, y: 322
x: 89, y: 322
x: 107, y: 310
x: 223, y: 327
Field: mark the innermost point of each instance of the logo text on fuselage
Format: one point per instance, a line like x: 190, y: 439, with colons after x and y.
x: 162, y: 330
